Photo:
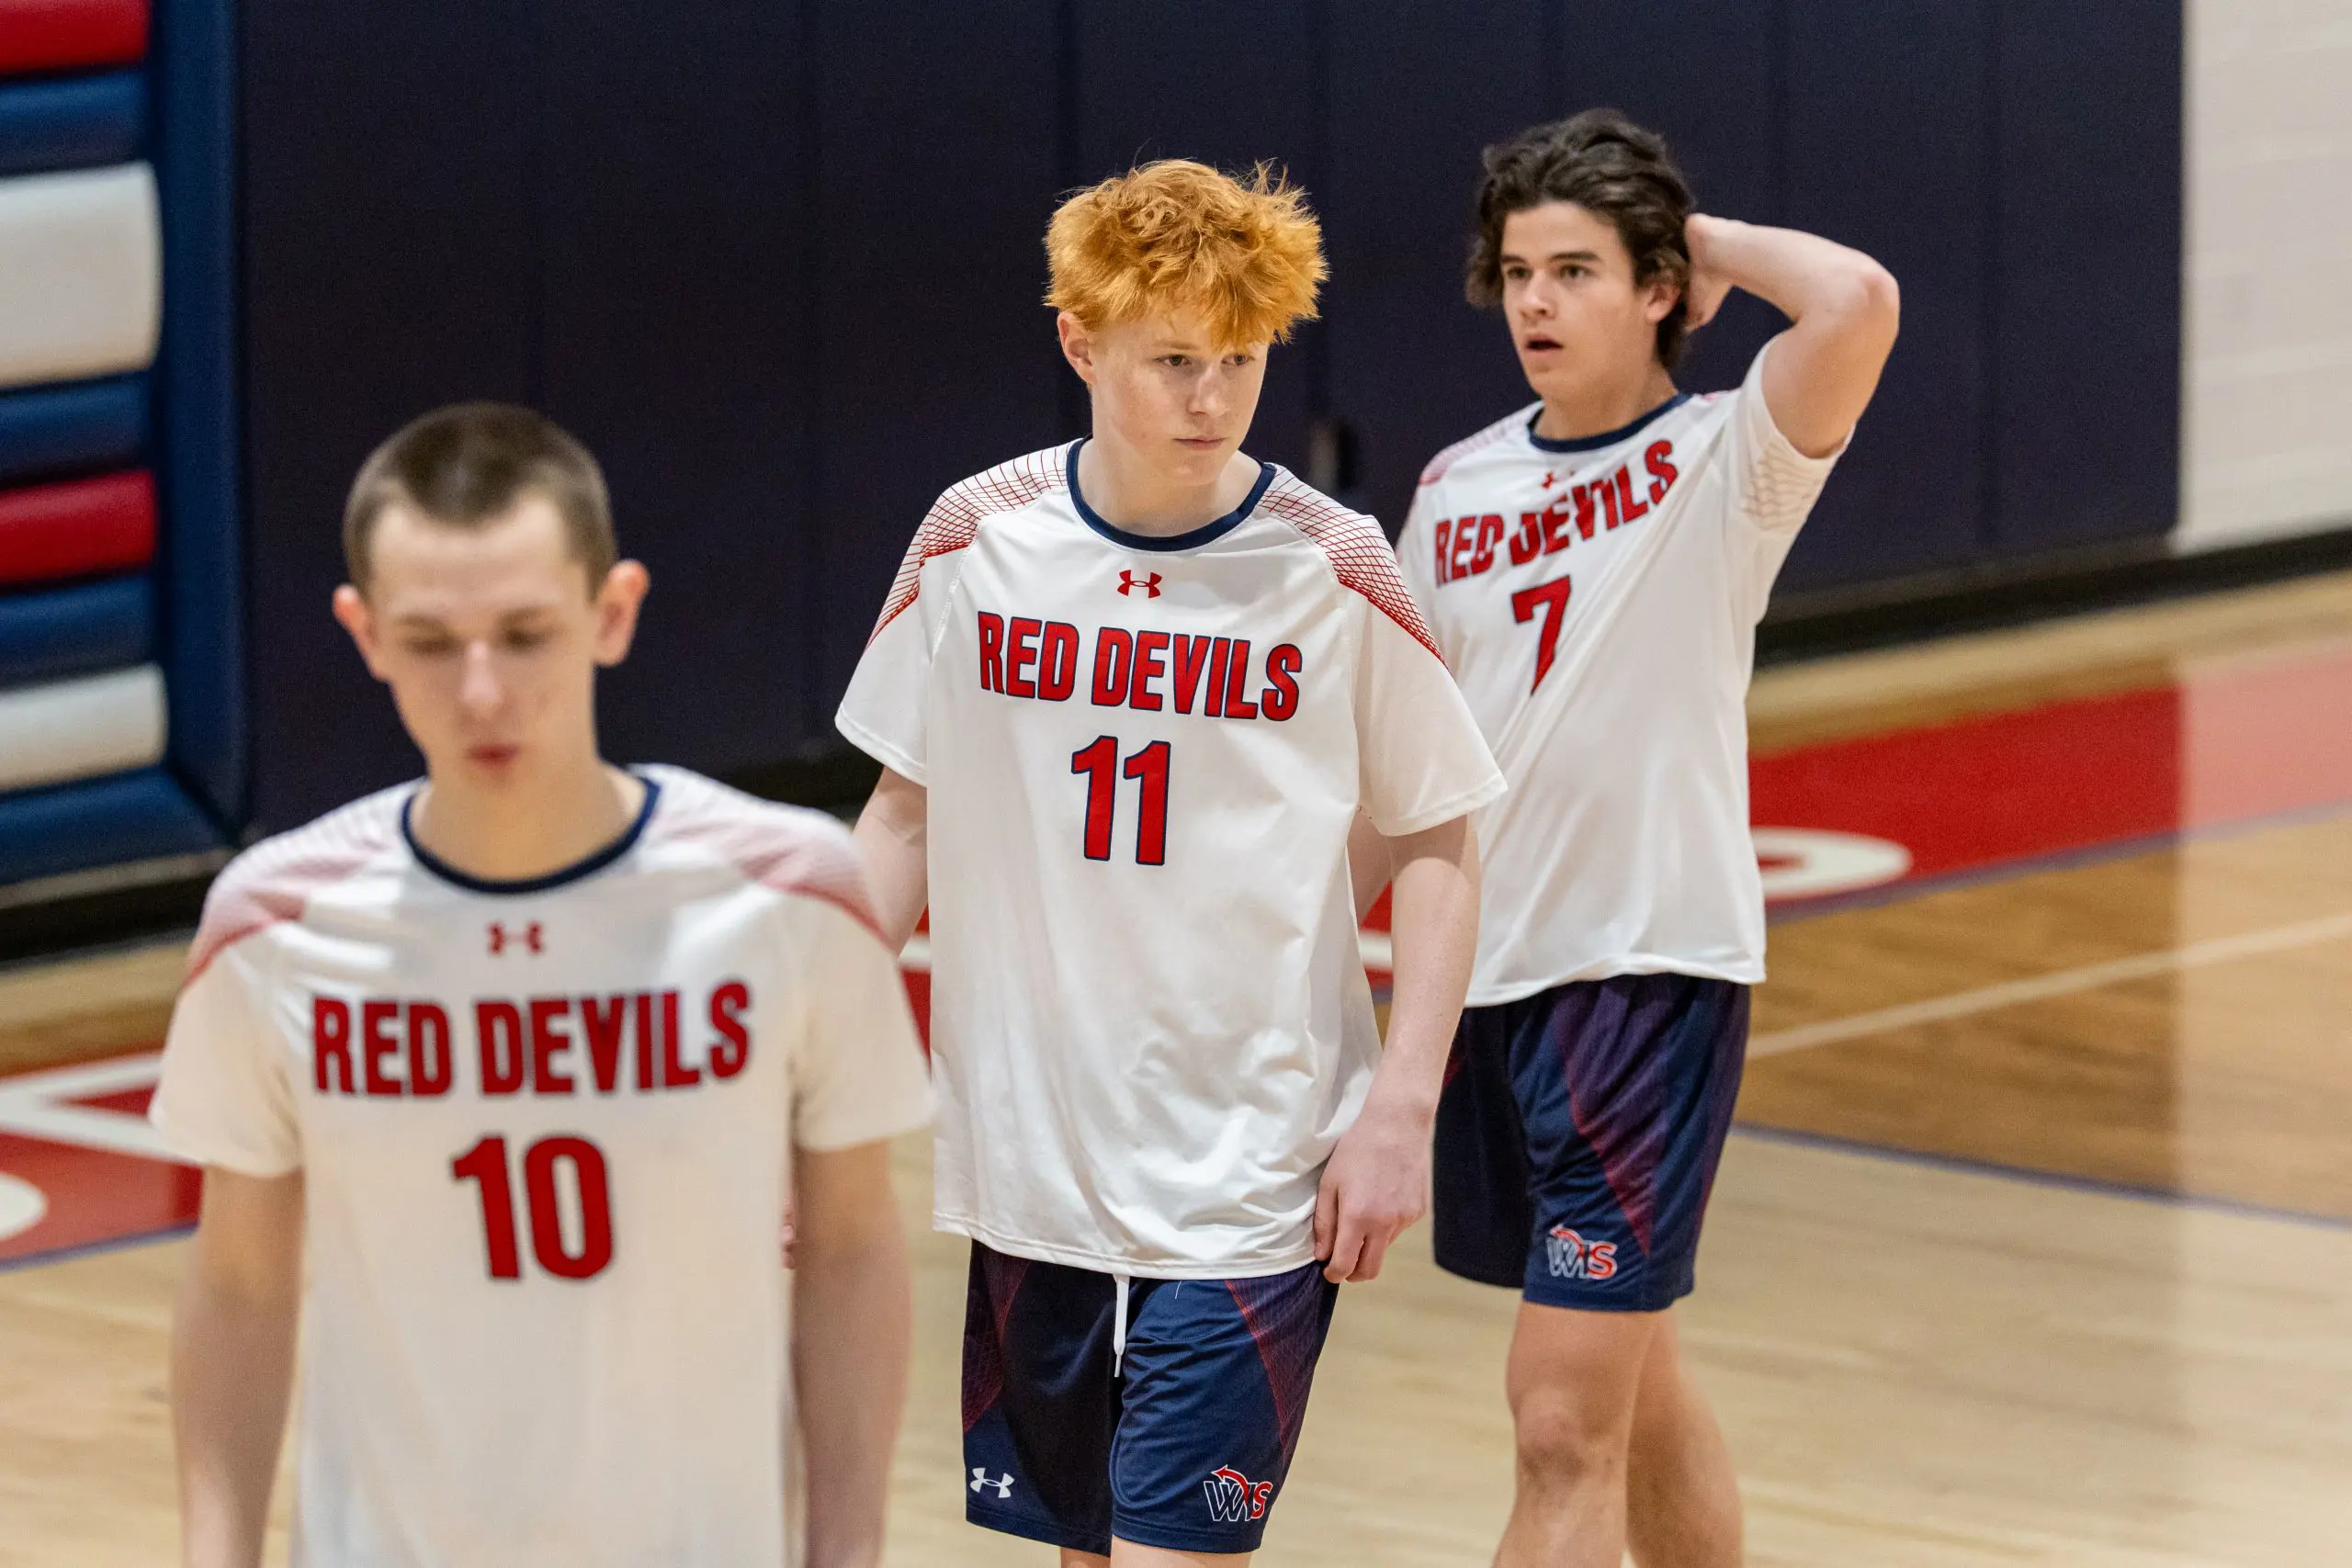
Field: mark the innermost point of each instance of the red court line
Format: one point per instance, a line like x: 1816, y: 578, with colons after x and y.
x: 95, y: 1196
x: 2232, y: 742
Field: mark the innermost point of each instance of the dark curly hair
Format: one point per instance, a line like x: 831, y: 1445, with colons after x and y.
x: 1605, y: 163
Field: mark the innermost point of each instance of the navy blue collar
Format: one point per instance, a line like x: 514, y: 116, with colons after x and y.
x: 1607, y: 438
x: 572, y: 873
x: 1190, y: 539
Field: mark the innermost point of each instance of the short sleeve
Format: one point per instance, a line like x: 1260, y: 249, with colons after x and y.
x: 1773, y: 487
x: 223, y: 1099
x: 1773, y: 484
x: 882, y: 714
x: 858, y: 1072
x: 1423, y: 758
x: 1413, y: 547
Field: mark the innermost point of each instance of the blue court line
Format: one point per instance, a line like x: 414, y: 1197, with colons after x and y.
x: 1962, y: 1165
x: 94, y: 1248
x: 2055, y: 860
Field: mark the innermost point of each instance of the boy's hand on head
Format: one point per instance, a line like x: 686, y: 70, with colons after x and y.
x: 1376, y: 1184
x: 1707, y: 288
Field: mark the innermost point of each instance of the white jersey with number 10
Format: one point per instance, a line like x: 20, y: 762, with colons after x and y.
x: 545, y: 1131
x: 1143, y: 757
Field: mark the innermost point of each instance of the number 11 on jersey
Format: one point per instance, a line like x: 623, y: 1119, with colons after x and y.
x: 1099, y: 760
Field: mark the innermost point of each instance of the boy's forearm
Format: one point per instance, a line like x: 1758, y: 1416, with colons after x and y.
x: 893, y: 840
x: 1434, y: 927
x: 232, y: 1368
x: 1798, y: 274
x: 852, y: 1323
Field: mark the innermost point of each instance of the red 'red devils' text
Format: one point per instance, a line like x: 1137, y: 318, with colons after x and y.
x: 538, y: 1045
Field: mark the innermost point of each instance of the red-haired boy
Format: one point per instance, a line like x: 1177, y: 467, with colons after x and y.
x: 1130, y: 694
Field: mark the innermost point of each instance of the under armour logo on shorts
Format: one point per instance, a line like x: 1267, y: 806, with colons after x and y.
x: 981, y: 1480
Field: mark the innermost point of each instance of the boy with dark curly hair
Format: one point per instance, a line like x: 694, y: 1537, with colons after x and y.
x: 1594, y: 565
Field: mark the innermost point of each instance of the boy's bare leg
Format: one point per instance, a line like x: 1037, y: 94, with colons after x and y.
x: 1683, y: 1497
x: 1127, y: 1554
x: 1573, y: 1381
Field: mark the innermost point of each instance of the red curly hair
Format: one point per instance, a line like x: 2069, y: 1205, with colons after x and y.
x: 1180, y: 236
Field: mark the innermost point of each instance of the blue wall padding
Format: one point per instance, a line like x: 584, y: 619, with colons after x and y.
x: 200, y: 436
x: 125, y: 816
x: 81, y: 428
x: 76, y: 631
x: 72, y: 122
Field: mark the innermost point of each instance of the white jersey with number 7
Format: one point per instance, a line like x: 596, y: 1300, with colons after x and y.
x: 1143, y: 755
x: 545, y: 1131
x: 1598, y: 600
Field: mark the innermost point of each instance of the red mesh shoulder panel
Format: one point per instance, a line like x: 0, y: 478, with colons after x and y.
x: 276, y: 878
x: 1469, y: 444
x: 801, y: 853
x: 954, y: 519
x: 1358, y: 552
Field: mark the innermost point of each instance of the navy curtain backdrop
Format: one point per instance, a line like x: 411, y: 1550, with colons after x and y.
x: 779, y: 265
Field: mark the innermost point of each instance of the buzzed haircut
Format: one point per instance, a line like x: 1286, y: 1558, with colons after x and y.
x: 1177, y: 235
x: 1613, y: 168
x: 466, y: 466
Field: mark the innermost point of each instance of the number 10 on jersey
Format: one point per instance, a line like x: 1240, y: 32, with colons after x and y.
x: 1099, y: 760
x: 486, y: 1163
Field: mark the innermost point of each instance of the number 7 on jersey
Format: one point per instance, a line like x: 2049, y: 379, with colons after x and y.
x: 1553, y: 599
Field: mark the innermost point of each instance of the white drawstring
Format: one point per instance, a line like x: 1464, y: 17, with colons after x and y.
x: 1118, y: 1322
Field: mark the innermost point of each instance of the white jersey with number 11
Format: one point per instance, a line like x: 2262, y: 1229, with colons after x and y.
x: 1143, y: 757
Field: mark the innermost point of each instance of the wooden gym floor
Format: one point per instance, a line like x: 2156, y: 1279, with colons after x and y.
x: 2034, y: 1247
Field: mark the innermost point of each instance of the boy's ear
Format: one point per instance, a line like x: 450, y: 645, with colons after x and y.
x: 1665, y: 292
x: 351, y: 609
x: 617, y: 603
x: 1077, y: 346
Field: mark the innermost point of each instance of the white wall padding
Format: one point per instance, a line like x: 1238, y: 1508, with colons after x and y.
x: 2267, y: 343
x: 82, y: 727
x: 81, y: 275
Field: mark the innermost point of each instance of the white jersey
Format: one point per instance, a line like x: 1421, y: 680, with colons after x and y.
x: 545, y: 1132
x: 1149, y: 1023
x: 1598, y: 601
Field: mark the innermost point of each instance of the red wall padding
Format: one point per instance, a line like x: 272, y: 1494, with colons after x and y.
x: 77, y: 529
x: 65, y: 35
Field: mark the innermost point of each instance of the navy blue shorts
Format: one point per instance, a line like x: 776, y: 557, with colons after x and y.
x: 1578, y: 1136
x: 1184, y: 1448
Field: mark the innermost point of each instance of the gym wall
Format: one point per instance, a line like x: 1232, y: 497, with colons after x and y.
x: 121, y: 702
x: 2267, y: 371
x: 779, y: 265
x: 778, y: 262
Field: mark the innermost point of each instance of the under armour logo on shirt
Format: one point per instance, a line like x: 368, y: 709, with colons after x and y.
x: 981, y: 1480
x: 529, y: 936
x: 1130, y: 582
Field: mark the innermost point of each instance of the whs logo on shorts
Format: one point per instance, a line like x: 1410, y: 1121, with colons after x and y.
x: 1234, y: 1497
x: 1573, y: 1258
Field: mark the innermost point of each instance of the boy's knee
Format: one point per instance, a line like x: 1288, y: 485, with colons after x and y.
x: 1564, y: 1440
